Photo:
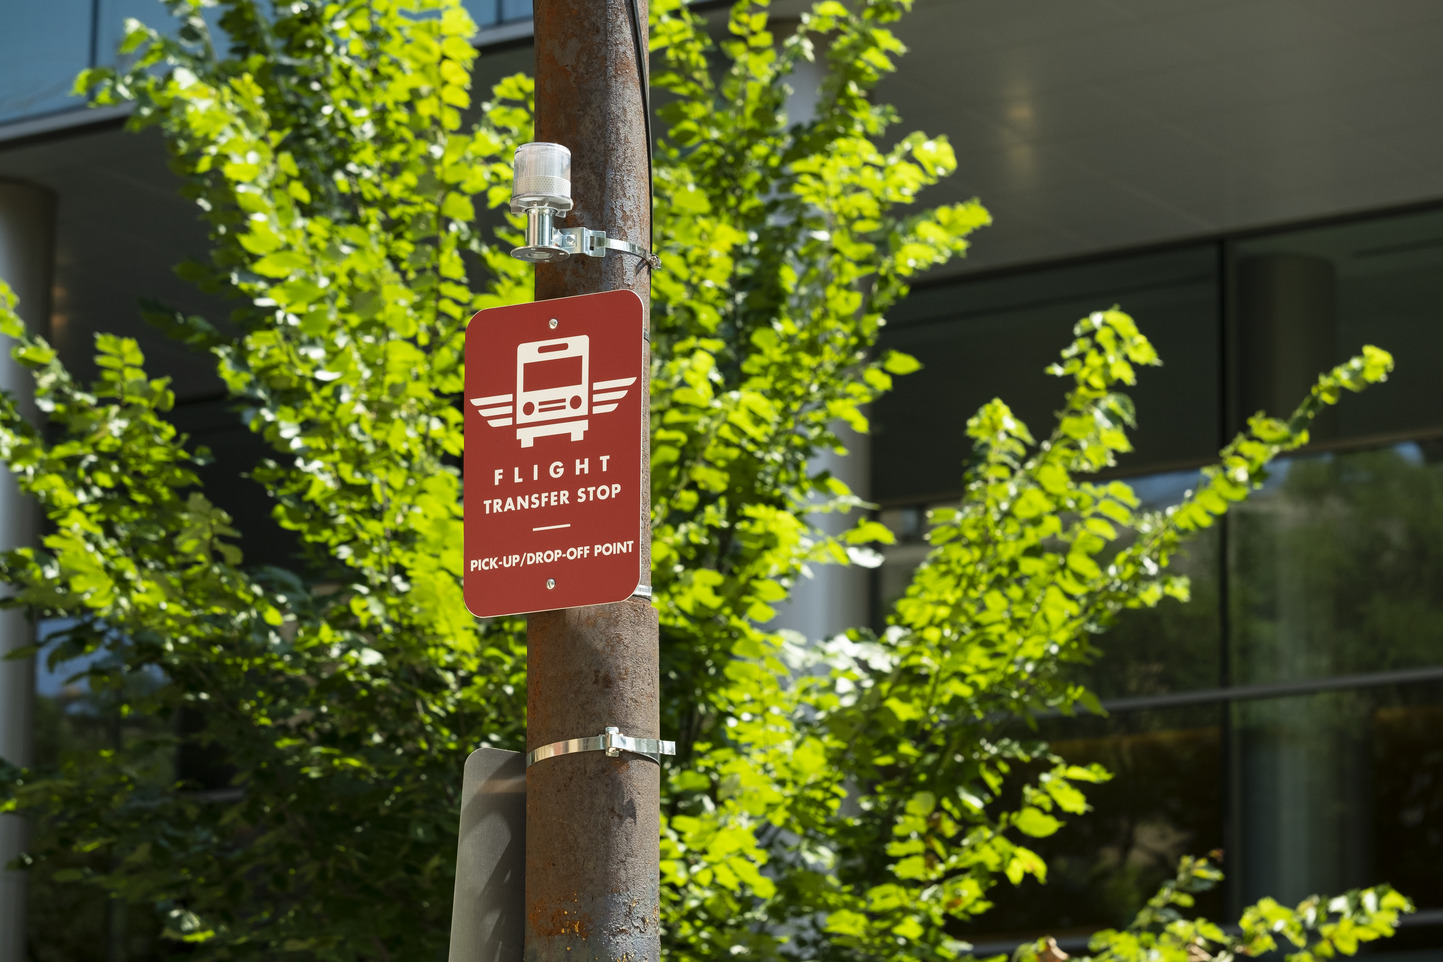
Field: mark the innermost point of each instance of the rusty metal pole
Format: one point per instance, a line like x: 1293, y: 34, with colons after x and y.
x: 592, y: 822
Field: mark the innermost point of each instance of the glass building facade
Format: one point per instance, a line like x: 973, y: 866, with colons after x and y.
x: 45, y: 45
x: 1290, y: 717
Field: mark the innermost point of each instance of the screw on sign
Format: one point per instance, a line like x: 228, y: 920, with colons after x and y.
x: 553, y: 446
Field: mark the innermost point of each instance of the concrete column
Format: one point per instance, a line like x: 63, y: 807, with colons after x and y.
x: 26, y: 237
x: 1287, y: 333
x: 1302, y: 765
x: 834, y: 598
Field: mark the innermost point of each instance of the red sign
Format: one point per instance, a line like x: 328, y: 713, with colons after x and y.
x: 554, y: 395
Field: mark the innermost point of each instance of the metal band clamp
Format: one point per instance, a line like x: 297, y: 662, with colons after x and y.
x: 613, y: 742
x: 595, y: 243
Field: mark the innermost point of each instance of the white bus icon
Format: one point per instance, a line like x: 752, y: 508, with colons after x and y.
x: 554, y: 393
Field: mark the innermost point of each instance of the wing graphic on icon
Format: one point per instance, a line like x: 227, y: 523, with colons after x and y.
x: 606, y: 395
x: 497, y: 409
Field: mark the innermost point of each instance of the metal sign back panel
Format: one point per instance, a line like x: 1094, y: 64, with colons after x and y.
x: 553, y: 442
x: 488, y: 910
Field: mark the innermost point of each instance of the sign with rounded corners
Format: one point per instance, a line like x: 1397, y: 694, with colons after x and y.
x: 552, y: 461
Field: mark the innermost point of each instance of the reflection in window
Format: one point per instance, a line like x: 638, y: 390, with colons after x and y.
x: 995, y: 337
x: 492, y: 13
x: 1336, y: 566
x: 1309, y: 299
x: 1172, y: 647
x: 1258, y: 710
x: 1407, y: 782
x: 1340, y: 789
x: 111, y: 17
x: 1164, y: 801
x: 76, y: 716
x: 42, y: 47
x: 1333, y: 571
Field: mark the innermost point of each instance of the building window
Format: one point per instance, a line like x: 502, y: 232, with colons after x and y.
x: 1292, y: 713
x: 43, y: 46
x: 74, y: 719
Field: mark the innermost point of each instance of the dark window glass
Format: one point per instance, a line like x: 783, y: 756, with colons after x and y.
x: 70, y: 721
x: 1336, y: 564
x: 67, y: 921
x: 42, y: 47
x: 1328, y: 575
x: 1334, y: 790
x: 1310, y: 299
x: 70, y: 922
x: 1175, y: 646
x: 994, y: 337
x: 1164, y: 801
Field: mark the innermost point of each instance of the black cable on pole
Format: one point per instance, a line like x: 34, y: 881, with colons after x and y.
x: 643, y: 76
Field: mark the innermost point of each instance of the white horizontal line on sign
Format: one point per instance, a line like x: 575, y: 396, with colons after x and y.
x: 552, y: 527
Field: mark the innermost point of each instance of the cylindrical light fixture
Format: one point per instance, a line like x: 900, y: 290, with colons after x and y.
x: 541, y: 189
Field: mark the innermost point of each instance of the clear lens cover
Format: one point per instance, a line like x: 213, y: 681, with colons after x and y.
x: 543, y: 177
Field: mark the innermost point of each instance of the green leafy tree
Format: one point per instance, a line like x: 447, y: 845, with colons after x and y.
x: 330, y: 149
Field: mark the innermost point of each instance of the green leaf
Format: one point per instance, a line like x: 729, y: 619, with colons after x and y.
x: 895, y: 362
x: 280, y: 264
x: 1034, y: 822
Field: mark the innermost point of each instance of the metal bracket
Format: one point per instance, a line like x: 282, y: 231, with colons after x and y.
x: 613, y: 742
x: 595, y: 243
x: 546, y: 242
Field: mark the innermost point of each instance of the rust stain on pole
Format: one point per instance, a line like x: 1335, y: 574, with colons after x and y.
x: 593, y: 822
